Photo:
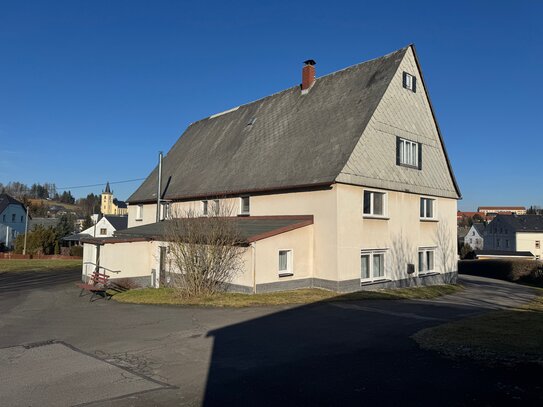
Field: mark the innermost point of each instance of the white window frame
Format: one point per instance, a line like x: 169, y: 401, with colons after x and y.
x: 434, y: 208
x: 139, y: 212
x: 372, y: 193
x: 290, y: 263
x: 205, y: 208
x: 409, y: 81
x: 409, y: 153
x: 371, y: 253
x: 241, y: 211
x: 216, y: 207
x: 165, y: 210
x: 425, y: 251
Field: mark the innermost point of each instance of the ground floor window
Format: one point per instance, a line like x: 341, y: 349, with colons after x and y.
x: 426, y: 260
x: 372, y: 265
x: 285, y: 263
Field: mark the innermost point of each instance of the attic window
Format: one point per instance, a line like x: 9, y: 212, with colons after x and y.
x: 409, y: 82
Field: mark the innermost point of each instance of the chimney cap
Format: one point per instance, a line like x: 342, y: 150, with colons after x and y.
x: 310, y: 62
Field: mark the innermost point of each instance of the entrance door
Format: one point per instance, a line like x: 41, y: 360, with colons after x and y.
x: 162, y: 267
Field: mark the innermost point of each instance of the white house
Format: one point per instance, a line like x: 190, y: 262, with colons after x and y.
x: 475, y: 236
x: 342, y: 182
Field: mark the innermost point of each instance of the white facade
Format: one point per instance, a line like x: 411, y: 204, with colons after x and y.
x: 12, y: 223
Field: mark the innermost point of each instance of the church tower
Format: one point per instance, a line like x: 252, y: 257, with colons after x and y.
x: 107, y: 201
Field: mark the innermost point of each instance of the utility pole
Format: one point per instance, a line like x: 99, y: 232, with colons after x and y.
x: 159, y: 189
x: 26, y: 230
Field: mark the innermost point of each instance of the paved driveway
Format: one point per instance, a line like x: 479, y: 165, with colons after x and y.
x: 341, y: 353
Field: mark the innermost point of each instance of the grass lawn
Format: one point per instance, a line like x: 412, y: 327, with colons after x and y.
x: 510, y: 336
x: 303, y: 296
x: 12, y: 265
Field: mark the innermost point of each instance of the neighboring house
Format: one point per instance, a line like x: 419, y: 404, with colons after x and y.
x: 111, y: 205
x: 515, y: 233
x: 341, y: 183
x: 507, y: 210
x: 12, y: 220
x: 105, y: 227
x: 475, y: 236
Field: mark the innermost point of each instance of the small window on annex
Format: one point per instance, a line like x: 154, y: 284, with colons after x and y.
x: 285, y: 263
x: 245, y: 207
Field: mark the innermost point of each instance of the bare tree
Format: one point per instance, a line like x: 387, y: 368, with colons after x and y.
x: 445, y: 246
x: 206, y: 252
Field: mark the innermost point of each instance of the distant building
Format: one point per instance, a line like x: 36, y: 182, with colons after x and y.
x: 111, y: 205
x: 463, y: 214
x: 12, y: 219
x: 475, y: 236
x: 495, y: 210
x: 515, y: 233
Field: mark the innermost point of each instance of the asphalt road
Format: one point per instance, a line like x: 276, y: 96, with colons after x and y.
x: 340, y: 353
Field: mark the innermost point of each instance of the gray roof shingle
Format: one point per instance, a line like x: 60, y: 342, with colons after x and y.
x: 523, y: 223
x: 285, y: 140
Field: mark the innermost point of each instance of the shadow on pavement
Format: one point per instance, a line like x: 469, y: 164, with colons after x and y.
x: 354, y: 353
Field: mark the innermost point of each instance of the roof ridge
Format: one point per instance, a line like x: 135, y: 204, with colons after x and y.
x: 233, y: 109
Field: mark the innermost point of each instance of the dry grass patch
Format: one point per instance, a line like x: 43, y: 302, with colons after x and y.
x: 507, y: 336
x: 13, y: 265
x: 302, y: 296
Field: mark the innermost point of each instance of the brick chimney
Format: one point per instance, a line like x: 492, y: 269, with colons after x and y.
x: 308, y: 75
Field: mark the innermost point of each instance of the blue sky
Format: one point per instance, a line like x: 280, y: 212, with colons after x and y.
x: 91, y: 91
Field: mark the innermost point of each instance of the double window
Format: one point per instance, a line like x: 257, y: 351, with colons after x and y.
x: 285, y: 263
x: 374, y: 203
x: 427, y: 208
x: 103, y: 231
x: 408, y: 153
x: 426, y: 260
x: 372, y: 265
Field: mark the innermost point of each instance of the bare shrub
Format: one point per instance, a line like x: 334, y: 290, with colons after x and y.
x: 206, y: 251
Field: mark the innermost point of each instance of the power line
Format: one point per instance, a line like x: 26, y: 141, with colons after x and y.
x: 98, y: 185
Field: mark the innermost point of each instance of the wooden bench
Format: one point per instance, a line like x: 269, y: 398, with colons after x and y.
x: 97, y: 285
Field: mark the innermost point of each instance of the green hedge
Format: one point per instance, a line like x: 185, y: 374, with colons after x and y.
x: 530, y: 271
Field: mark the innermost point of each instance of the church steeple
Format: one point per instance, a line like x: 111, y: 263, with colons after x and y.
x: 108, y: 190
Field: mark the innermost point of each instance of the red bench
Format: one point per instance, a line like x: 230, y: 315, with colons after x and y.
x: 97, y: 285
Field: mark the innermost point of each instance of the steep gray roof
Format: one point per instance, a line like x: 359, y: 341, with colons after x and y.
x: 118, y: 222
x: 480, y: 228
x: 285, y: 140
x: 523, y: 223
x: 6, y: 200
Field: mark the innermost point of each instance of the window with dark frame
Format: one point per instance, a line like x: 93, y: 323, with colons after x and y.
x: 409, y: 82
x: 204, y: 208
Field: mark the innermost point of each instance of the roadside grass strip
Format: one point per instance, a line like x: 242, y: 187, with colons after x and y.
x: 168, y: 296
x: 509, y: 336
x: 12, y: 265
